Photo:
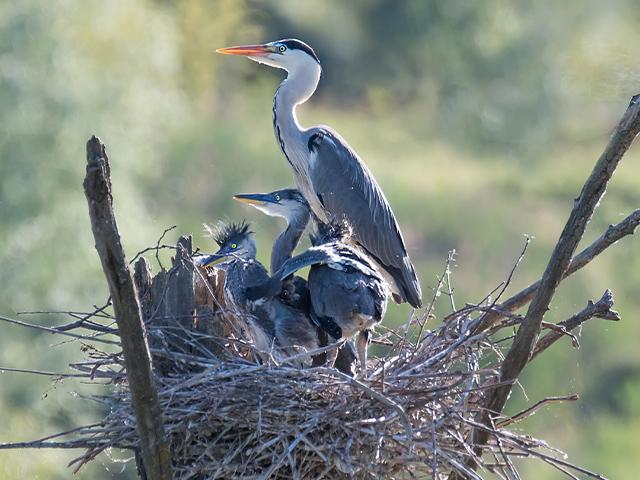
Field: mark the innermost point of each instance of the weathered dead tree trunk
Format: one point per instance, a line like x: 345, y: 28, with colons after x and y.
x: 154, y: 444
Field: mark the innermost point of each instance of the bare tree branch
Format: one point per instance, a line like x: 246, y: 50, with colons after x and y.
x: 584, y: 206
x: 590, y: 196
x: 154, y: 443
x: 87, y: 338
x: 45, y: 373
x: 601, y: 309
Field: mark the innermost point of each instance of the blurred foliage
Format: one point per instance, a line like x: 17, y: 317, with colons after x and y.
x: 480, y: 121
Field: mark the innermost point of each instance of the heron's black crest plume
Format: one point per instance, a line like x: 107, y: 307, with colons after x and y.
x: 295, y: 44
x: 224, y: 233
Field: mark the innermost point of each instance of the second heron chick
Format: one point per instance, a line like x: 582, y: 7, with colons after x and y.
x: 274, y: 324
x: 348, y: 295
x: 290, y: 205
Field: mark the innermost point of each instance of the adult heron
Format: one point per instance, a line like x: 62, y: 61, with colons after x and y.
x: 272, y: 322
x: 332, y: 178
x: 348, y: 294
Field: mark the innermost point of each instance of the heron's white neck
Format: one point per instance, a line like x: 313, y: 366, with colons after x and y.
x: 291, y: 137
x: 297, y: 88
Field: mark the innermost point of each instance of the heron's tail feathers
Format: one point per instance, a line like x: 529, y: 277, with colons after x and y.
x: 407, y: 283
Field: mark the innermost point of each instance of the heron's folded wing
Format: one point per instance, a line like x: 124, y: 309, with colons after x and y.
x: 348, y: 190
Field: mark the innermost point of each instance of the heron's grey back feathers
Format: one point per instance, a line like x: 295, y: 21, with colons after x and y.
x: 346, y: 188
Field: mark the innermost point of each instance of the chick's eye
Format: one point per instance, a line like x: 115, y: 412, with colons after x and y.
x: 282, y: 48
x: 234, y: 245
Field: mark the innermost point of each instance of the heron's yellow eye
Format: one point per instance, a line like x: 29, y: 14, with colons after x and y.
x: 277, y: 197
x: 234, y: 245
x: 282, y: 48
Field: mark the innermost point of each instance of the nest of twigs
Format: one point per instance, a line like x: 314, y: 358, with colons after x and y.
x: 230, y: 415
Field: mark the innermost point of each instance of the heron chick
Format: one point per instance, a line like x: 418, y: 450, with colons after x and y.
x: 348, y: 295
x: 290, y: 205
x: 273, y: 322
x: 330, y: 175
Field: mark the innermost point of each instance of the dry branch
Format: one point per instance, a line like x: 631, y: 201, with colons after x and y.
x: 601, y: 309
x: 527, y: 412
x: 589, y: 198
x: 154, y: 444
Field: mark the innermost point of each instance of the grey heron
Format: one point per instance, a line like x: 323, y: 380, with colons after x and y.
x: 273, y: 323
x: 290, y: 205
x: 332, y: 178
x: 348, y: 294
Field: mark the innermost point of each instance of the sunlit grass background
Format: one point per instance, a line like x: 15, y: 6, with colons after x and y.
x: 480, y: 120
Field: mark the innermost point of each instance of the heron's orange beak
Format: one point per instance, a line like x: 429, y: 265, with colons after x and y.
x: 247, y: 50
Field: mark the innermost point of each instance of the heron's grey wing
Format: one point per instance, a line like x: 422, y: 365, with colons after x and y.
x: 347, y: 189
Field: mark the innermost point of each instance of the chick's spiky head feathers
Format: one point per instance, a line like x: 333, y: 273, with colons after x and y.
x: 227, y: 232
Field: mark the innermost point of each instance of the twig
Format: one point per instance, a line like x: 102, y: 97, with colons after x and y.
x: 560, y: 330
x: 506, y: 284
x: 156, y: 249
x: 450, y: 260
x: 59, y: 332
x: 436, y: 293
x: 80, y: 322
x: 533, y: 408
x: 153, y: 441
x: 71, y: 444
x: 41, y: 372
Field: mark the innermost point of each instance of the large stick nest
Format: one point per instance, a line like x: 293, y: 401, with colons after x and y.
x: 232, y: 416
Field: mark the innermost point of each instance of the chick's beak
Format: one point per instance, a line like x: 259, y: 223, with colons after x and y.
x: 247, y: 50
x: 253, y: 198
x: 212, y: 260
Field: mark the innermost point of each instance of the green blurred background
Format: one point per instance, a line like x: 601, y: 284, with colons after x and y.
x: 480, y: 120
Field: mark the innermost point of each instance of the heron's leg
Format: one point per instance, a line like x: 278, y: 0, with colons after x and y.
x: 347, y: 360
x: 334, y: 333
x: 362, y: 343
x: 331, y: 356
x: 323, y: 340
